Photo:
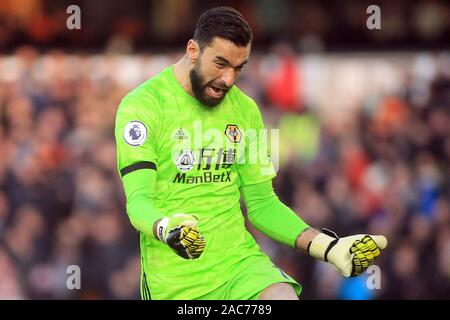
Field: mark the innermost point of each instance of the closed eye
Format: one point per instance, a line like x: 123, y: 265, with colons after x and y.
x: 220, y: 65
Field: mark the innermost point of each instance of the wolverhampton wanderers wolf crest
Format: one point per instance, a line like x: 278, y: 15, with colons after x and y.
x: 233, y: 133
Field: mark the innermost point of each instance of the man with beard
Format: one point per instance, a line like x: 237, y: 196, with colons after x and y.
x: 184, y: 175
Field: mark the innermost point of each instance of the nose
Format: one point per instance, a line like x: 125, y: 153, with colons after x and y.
x: 228, y: 77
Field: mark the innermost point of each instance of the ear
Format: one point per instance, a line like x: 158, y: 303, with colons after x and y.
x: 193, y: 51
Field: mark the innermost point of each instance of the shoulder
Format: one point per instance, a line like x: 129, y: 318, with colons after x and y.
x: 148, y: 96
x: 244, y: 105
x: 243, y: 102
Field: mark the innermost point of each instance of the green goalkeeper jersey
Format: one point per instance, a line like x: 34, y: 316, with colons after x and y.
x: 202, y: 156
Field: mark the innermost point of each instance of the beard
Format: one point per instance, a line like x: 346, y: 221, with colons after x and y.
x: 200, y: 87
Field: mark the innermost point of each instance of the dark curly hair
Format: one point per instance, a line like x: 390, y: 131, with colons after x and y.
x: 222, y: 22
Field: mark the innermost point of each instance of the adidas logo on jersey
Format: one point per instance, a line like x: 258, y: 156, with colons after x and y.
x: 179, y: 135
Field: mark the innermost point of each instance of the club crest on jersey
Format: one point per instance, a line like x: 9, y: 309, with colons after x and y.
x: 135, y: 133
x: 185, y: 160
x: 233, y: 133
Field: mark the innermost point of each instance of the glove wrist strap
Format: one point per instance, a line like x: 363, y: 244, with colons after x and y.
x: 161, y: 229
x: 321, y: 245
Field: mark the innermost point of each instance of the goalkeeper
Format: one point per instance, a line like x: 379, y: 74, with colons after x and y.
x: 183, y: 193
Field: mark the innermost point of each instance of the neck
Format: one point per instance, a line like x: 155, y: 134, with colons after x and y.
x: 181, y: 69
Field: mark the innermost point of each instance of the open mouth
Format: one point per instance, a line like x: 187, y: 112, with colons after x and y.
x: 216, y: 92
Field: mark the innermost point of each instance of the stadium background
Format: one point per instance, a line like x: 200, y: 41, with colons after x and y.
x: 364, y: 128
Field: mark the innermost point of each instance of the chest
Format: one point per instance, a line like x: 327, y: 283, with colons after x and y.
x: 196, y: 140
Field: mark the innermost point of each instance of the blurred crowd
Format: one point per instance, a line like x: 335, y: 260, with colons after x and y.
x: 386, y: 171
x: 307, y: 24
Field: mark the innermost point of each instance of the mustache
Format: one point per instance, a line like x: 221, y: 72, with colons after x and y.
x: 221, y: 86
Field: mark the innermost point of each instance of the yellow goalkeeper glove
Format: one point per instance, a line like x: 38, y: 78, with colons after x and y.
x: 351, y: 255
x: 180, y: 232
